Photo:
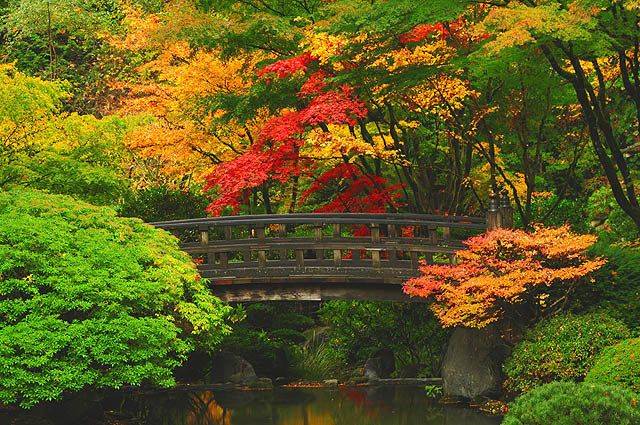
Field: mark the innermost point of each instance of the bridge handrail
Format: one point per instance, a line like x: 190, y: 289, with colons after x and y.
x: 340, y: 218
x: 267, y: 245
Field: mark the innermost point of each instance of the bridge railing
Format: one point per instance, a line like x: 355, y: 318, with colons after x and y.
x: 246, y: 248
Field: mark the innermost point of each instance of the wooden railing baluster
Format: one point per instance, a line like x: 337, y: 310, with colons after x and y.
x: 375, y: 239
x: 392, y: 233
x: 446, y: 233
x: 262, y: 254
x: 337, y: 253
x: 414, y: 259
x: 204, y: 241
x: 317, y: 236
x: 224, y: 256
x: 282, y: 233
x: 299, y: 258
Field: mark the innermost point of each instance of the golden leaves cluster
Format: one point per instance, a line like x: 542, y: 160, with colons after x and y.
x: 503, y: 269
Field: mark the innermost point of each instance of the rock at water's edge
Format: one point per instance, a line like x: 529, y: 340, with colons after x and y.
x: 472, y: 365
x: 228, y: 367
x: 380, y: 366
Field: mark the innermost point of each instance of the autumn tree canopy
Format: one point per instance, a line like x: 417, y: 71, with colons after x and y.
x: 271, y: 106
x: 507, y: 274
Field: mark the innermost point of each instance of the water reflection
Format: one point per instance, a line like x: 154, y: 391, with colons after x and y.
x: 343, y: 406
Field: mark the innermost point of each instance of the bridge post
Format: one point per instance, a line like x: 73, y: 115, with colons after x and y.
x: 506, y: 210
x: 500, y: 212
x: 317, y: 235
x: 204, y: 241
x: 493, y: 213
x: 224, y: 256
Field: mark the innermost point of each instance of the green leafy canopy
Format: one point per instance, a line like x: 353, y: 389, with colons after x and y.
x: 88, y: 299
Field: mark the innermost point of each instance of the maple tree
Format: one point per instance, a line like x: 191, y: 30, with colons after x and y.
x: 507, y: 274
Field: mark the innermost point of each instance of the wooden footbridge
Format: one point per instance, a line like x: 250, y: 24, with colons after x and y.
x: 320, y: 256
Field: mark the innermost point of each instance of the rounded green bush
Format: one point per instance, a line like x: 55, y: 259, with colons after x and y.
x: 618, y: 365
x: 562, y: 348
x: 92, y: 300
x: 569, y: 403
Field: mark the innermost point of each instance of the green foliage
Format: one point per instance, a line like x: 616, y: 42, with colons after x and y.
x: 268, y: 337
x: 268, y: 316
x: 618, y: 365
x: 605, y: 213
x: 562, y: 348
x: 567, y: 403
x: 617, y: 284
x: 70, y: 154
x: 316, y: 362
x: 359, y: 329
x: 25, y: 105
x: 433, y: 391
x: 81, y: 156
x: 555, y: 212
x: 67, y: 40
x: 88, y: 299
x: 163, y: 203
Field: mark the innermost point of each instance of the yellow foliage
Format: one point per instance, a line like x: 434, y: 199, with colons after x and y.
x: 183, y: 139
x: 432, y: 54
x: 339, y: 140
x: 479, y: 178
x: 517, y: 24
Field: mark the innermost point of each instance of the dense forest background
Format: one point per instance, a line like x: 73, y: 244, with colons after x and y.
x: 324, y: 106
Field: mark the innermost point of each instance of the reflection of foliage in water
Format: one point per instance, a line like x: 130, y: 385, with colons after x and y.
x: 335, y: 406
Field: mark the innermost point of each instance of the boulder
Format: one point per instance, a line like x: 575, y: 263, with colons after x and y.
x: 472, y: 365
x: 228, y: 367
x: 281, y: 380
x: 380, y: 366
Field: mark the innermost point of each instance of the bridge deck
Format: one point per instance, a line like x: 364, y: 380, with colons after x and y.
x: 318, y: 256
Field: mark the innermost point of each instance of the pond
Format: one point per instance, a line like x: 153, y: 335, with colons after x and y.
x: 295, y: 406
x: 321, y: 406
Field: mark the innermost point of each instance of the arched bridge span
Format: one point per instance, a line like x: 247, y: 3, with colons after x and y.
x: 319, y: 256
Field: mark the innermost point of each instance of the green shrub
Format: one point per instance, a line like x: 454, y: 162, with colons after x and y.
x: 278, y: 316
x: 268, y: 336
x: 162, y: 203
x: 568, y: 403
x: 360, y: 328
x: 553, y: 212
x: 618, y: 365
x: 617, y: 287
x: 290, y: 336
x: 91, y: 300
x: 264, y: 354
x: 317, y: 362
x: 603, y: 209
x: 562, y: 348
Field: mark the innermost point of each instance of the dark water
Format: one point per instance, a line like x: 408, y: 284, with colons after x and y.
x: 336, y: 406
x: 323, y: 406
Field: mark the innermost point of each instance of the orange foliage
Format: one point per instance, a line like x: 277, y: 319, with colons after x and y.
x: 504, y: 269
